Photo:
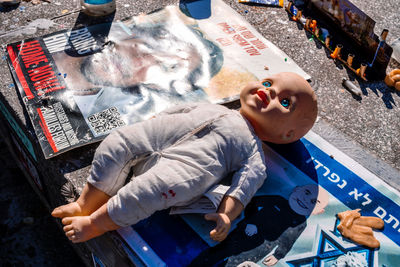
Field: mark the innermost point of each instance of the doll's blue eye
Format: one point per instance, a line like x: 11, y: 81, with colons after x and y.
x: 267, y: 84
x: 285, y: 102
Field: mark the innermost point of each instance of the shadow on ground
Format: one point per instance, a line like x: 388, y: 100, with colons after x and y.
x: 28, y: 234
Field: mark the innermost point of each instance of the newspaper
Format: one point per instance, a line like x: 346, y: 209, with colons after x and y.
x: 208, y: 203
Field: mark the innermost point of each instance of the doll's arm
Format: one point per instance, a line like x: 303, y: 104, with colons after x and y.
x: 245, y: 183
x: 228, y: 210
x: 248, y: 179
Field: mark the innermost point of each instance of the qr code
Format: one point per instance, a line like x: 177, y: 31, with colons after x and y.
x: 106, y: 120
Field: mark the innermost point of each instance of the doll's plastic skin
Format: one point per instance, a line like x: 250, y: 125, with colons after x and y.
x: 282, y: 108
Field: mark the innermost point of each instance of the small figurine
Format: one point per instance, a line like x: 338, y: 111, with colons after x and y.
x: 359, y: 228
x: 393, y: 79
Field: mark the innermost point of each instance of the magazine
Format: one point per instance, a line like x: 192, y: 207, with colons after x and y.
x: 80, y: 84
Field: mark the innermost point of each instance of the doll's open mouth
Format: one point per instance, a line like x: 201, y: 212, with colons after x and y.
x: 263, y: 96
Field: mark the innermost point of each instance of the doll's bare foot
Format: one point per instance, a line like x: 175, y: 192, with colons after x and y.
x: 89, y: 201
x: 80, y: 228
x: 71, y: 209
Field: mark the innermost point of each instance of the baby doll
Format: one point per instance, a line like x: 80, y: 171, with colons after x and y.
x: 182, y: 152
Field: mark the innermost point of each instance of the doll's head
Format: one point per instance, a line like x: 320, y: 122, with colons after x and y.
x: 282, y: 108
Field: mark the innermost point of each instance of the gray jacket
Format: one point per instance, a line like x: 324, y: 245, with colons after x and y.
x: 176, y: 157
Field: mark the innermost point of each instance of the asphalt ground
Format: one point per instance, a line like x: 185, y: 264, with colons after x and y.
x: 28, y: 234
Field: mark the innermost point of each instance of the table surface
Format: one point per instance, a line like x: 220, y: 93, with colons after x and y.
x: 365, y: 127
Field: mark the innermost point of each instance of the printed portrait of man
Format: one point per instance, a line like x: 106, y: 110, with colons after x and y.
x: 141, y: 69
x: 269, y: 229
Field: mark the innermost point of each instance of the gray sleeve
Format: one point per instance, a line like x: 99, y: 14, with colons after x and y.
x: 248, y: 179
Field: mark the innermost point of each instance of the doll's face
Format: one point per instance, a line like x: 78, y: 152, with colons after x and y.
x: 281, y: 108
x: 308, y: 199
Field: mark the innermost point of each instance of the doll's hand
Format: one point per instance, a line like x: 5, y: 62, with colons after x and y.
x: 251, y: 229
x: 220, y: 232
x: 270, y: 260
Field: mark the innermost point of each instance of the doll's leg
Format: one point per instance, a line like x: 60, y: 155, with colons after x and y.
x: 82, y: 228
x: 168, y: 183
x: 108, y: 174
x: 89, y: 201
x: 128, y: 206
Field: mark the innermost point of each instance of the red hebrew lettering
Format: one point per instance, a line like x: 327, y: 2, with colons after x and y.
x: 226, y: 28
x: 252, y: 51
x: 224, y: 41
x: 239, y: 28
x: 240, y: 40
x: 248, y: 35
x: 259, y: 44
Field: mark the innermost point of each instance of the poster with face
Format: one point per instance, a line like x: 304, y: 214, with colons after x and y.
x: 80, y: 84
x: 291, y: 221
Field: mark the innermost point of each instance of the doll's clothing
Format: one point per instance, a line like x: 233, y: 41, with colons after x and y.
x: 175, y: 158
